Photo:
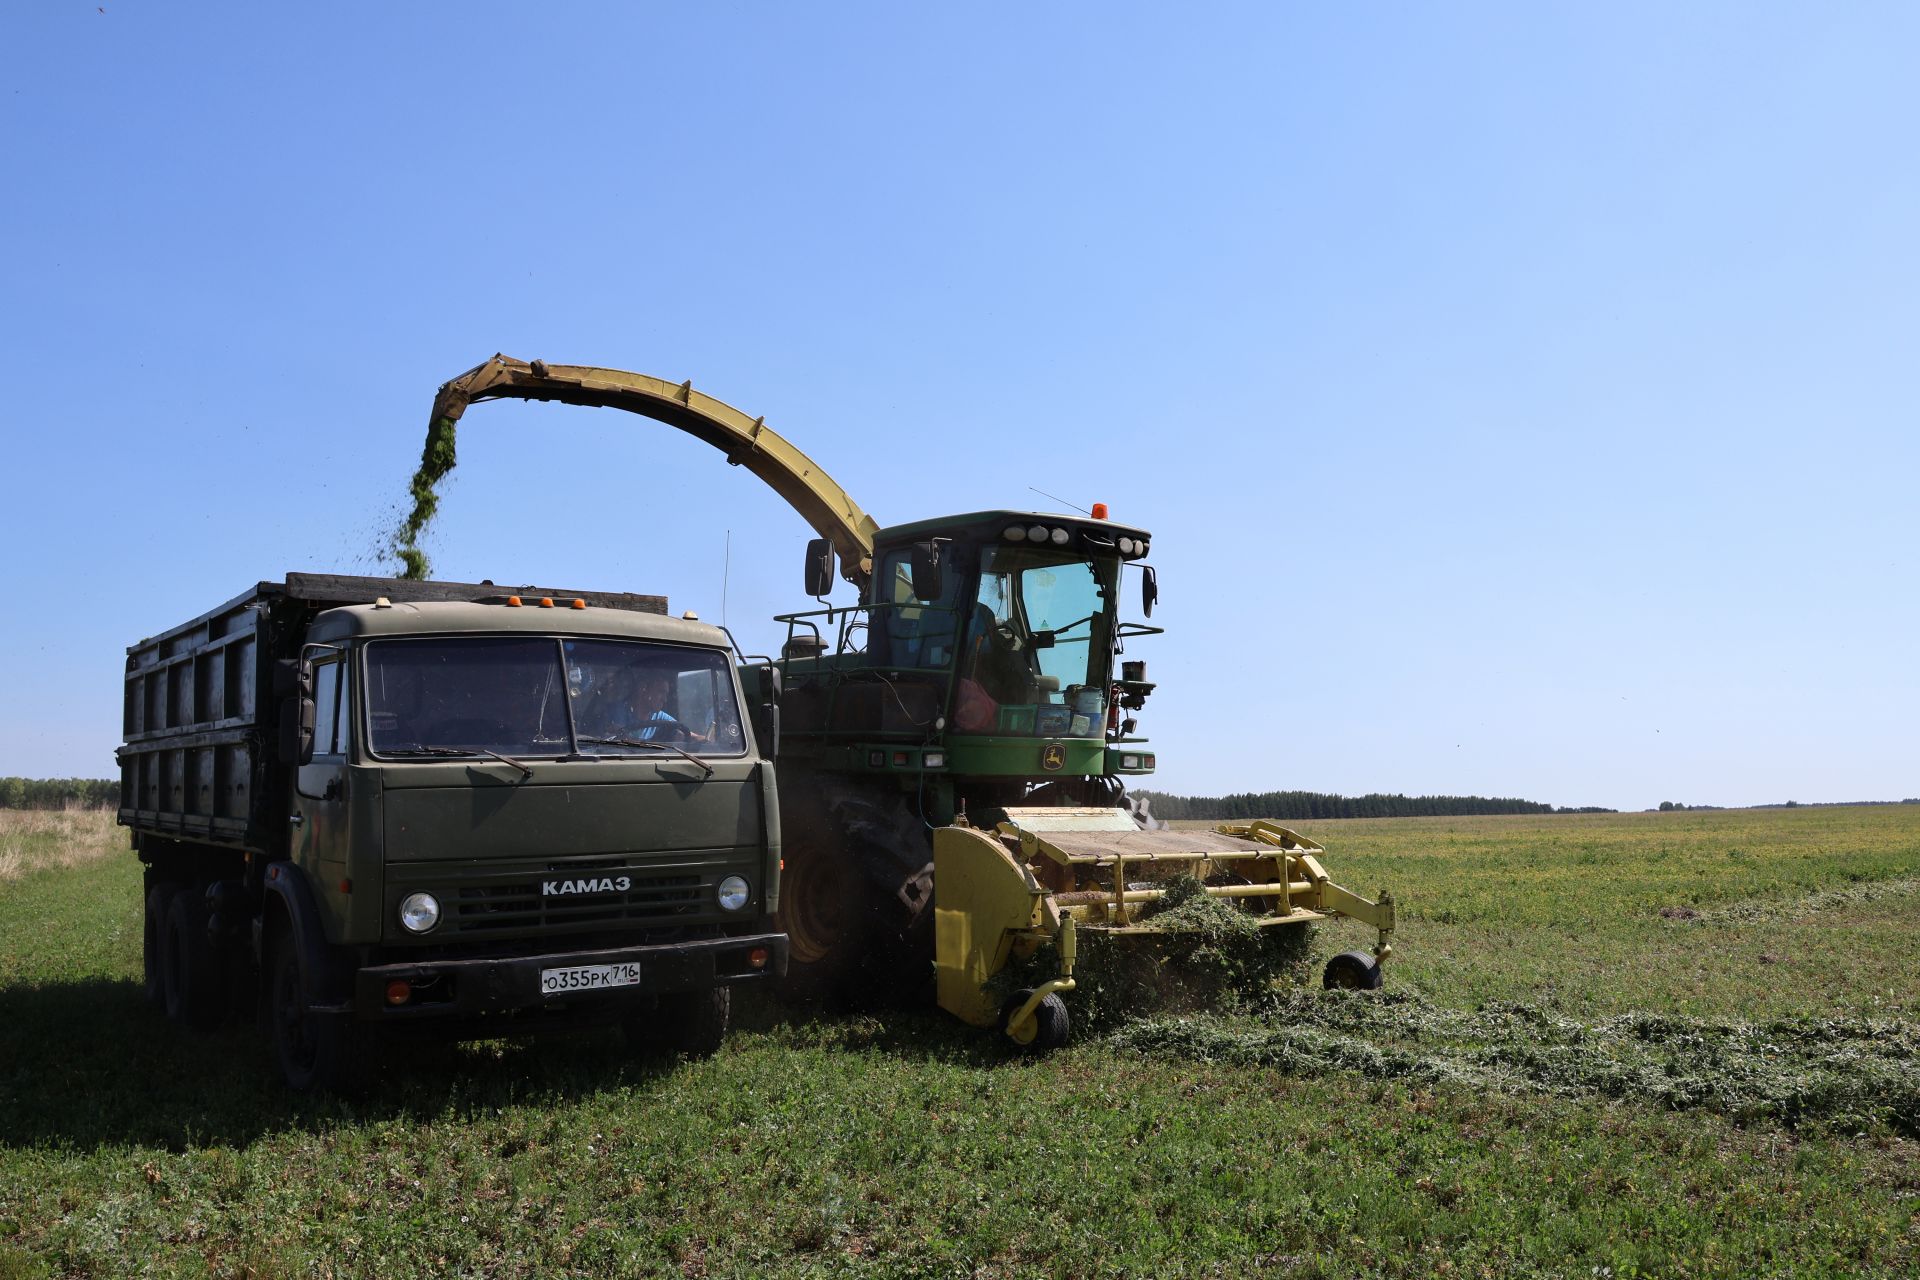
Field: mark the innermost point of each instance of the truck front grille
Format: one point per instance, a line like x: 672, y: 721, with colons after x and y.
x: 520, y: 905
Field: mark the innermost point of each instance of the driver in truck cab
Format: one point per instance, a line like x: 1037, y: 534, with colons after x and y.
x: 637, y: 708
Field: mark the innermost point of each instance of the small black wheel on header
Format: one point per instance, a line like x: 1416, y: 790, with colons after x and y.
x: 1048, y: 1028
x: 1353, y: 971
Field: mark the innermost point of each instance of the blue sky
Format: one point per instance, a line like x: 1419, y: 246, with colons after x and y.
x: 1522, y: 397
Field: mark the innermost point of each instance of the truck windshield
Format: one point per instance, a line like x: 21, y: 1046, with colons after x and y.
x: 1035, y: 651
x: 548, y: 696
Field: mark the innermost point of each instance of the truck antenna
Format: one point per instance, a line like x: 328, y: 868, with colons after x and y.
x: 726, y: 567
x: 1062, y: 501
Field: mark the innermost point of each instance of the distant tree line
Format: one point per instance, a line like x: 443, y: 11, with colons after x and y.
x: 1317, y: 804
x: 59, y: 793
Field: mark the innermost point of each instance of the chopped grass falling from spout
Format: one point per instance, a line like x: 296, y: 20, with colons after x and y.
x: 436, y: 461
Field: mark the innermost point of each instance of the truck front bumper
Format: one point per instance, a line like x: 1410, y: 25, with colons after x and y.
x: 443, y: 988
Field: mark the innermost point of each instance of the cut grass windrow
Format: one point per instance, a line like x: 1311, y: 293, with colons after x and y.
x: 1843, y: 1075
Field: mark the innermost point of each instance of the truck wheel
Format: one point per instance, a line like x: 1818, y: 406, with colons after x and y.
x: 689, y: 1023
x: 153, y: 941
x: 317, y: 1052
x: 193, y: 981
x: 1353, y: 971
x: 1049, y: 1027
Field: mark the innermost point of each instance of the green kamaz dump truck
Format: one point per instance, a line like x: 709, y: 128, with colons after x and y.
x: 368, y: 806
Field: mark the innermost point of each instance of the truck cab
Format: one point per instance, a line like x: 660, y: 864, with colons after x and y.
x: 479, y: 809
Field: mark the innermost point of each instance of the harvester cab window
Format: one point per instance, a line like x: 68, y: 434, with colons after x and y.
x: 1040, y: 619
x: 919, y: 632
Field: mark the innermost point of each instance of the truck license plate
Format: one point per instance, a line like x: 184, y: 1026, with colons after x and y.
x: 589, y: 977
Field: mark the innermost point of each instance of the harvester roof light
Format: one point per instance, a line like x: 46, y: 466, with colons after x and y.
x: 1126, y: 546
x: 578, y: 604
x: 1060, y: 537
x: 546, y: 602
x: 1015, y: 533
x: 1038, y: 533
x: 1099, y: 511
x: 513, y: 602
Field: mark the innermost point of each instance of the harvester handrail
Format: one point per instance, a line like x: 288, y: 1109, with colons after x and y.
x: 747, y: 442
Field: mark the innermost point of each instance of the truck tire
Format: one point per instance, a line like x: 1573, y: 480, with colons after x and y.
x: 194, y: 983
x: 317, y: 1052
x: 153, y: 941
x: 691, y: 1024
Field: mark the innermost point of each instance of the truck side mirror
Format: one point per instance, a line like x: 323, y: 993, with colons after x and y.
x: 929, y: 582
x: 766, y: 712
x: 293, y: 682
x: 1149, y: 589
x: 296, y: 730
x: 819, y: 567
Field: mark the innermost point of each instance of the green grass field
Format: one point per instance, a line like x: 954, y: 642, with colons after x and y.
x: 1611, y: 1045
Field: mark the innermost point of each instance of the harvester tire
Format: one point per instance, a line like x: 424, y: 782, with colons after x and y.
x: 1050, y: 1026
x: 1353, y: 971
x: 153, y: 942
x: 826, y: 916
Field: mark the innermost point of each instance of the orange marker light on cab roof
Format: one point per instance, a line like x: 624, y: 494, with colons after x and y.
x: 513, y: 602
x: 1099, y: 511
x: 546, y: 602
x: 578, y: 604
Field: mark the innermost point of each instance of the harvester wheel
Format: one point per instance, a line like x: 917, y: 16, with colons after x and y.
x: 1353, y: 971
x: 824, y: 913
x: 1045, y: 1031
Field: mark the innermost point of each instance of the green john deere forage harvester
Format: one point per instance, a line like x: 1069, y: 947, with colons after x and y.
x: 953, y: 749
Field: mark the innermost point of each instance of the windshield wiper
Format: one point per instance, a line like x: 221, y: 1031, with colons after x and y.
x: 526, y: 771
x: 657, y: 746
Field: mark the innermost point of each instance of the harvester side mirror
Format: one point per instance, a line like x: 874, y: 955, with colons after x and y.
x: 819, y: 567
x: 1149, y: 589
x: 928, y: 580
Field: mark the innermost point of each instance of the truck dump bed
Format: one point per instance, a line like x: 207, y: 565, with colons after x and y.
x: 201, y: 712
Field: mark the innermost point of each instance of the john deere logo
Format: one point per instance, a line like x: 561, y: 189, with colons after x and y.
x: 1054, y: 756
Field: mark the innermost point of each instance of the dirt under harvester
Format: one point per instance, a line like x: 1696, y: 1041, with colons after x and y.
x: 1049, y: 880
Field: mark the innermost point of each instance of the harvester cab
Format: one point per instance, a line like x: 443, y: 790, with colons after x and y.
x: 953, y: 749
x: 984, y: 660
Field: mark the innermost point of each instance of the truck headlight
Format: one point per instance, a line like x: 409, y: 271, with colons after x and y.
x: 733, y: 893
x: 419, y: 912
